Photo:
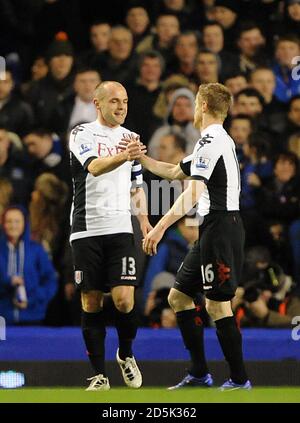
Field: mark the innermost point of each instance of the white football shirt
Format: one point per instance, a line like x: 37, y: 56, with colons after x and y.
x: 101, y: 204
x: 215, y: 162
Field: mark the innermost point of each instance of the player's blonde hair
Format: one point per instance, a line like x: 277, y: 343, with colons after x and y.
x: 217, y: 97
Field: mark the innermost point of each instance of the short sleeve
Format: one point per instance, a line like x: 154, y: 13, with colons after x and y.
x: 82, y: 145
x: 205, y: 157
x: 136, y: 174
x: 185, y: 165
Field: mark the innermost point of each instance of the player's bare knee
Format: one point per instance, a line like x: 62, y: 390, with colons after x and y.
x: 124, y: 304
x: 218, y: 309
x: 179, y: 301
x: 91, y: 302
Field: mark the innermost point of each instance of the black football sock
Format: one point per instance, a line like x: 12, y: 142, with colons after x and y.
x: 231, y: 342
x: 126, y: 325
x: 93, y: 330
x: 191, y: 329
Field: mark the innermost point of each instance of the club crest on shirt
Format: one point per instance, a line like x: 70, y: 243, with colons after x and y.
x: 84, y: 148
x: 201, y: 162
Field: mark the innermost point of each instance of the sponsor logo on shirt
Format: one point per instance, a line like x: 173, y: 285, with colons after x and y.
x: 84, y: 148
x: 201, y: 162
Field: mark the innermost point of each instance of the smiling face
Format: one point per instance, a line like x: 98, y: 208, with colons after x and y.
x: 14, y: 224
x: 111, y: 104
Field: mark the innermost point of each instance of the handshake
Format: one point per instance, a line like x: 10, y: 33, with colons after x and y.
x: 132, y: 147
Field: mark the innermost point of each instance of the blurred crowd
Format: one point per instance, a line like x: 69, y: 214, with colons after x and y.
x: 57, y: 51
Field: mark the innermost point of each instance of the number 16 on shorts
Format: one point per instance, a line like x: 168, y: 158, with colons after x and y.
x: 208, y: 276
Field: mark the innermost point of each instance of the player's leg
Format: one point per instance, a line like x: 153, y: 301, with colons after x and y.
x: 126, y: 318
x: 222, y: 259
x: 230, y: 340
x: 87, y: 262
x: 188, y: 283
x: 126, y: 325
x: 93, y: 329
x: 122, y: 279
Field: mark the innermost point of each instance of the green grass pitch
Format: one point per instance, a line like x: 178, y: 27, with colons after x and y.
x: 150, y: 395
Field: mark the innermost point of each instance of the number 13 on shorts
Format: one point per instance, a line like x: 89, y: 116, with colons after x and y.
x: 128, y: 266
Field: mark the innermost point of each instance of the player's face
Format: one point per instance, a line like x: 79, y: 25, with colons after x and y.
x: 198, y: 113
x: 113, y: 106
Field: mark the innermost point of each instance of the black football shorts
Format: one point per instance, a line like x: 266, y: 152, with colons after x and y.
x: 102, y: 262
x: 214, y: 265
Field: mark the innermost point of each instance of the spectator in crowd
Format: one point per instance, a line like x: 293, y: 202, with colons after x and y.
x: 15, y: 114
x: 293, y: 120
x: 168, y: 87
x: 171, y: 149
x: 236, y: 82
x: 46, y: 93
x: 226, y: 13
x: 287, y: 86
x: 180, y: 119
x: 213, y: 40
x: 39, y: 70
x: 171, y: 252
x: 143, y: 94
x: 100, y: 32
x: 256, y: 169
x: 263, y: 80
x: 265, y: 299
x: 279, y: 198
x: 186, y: 49
x: 294, y: 144
x: 48, y: 154
x: 240, y: 128
x: 277, y: 241
x: 182, y: 9
x: 167, y: 29
x: 27, y: 277
x: 251, y: 43
x: 118, y: 64
x: 249, y: 102
x: 47, y: 212
x: 292, y: 17
x: 207, y: 68
x: 78, y: 107
x: 138, y: 21
x: 13, y: 166
x: 6, y: 195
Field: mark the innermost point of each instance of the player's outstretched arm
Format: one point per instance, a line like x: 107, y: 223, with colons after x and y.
x: 133, y: 151
x: 184, y: 203
x: 164, y: 170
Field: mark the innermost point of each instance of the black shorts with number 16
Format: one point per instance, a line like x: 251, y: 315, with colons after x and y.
x: 214, y: 265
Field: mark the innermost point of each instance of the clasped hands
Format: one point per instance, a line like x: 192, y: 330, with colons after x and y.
x: 132, y: 147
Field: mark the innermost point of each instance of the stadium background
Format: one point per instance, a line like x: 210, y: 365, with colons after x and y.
x: 38, y: 107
